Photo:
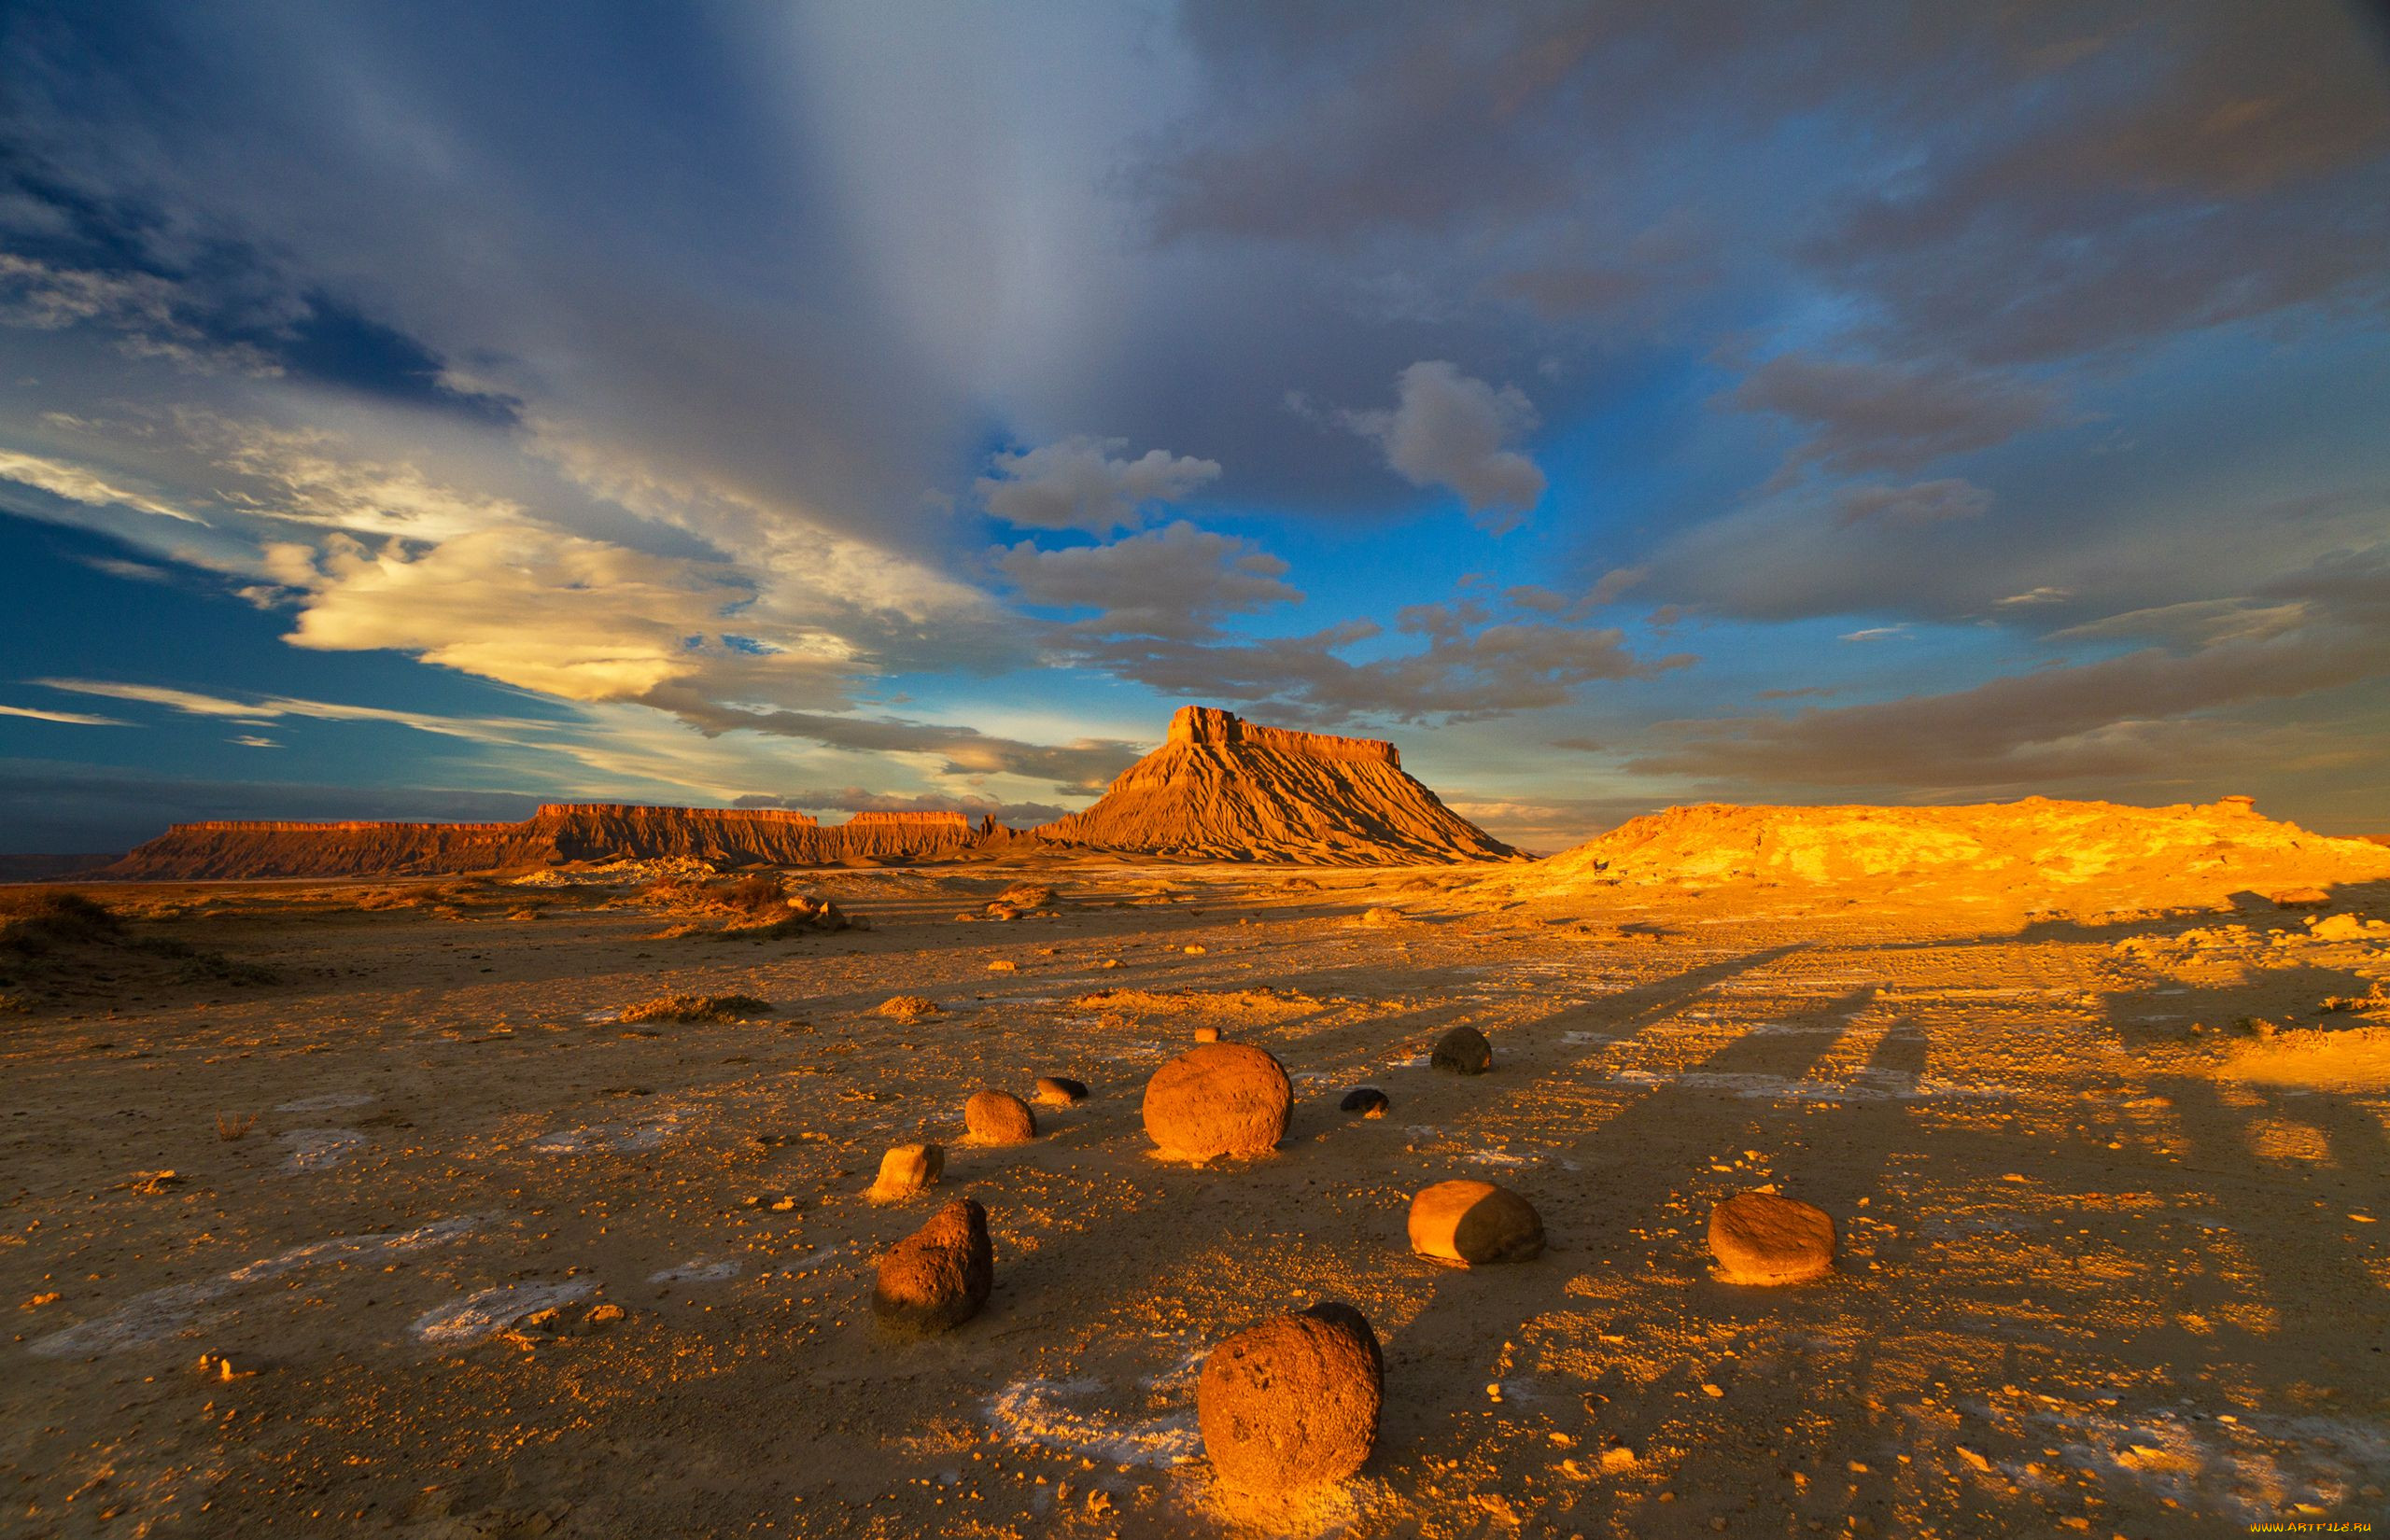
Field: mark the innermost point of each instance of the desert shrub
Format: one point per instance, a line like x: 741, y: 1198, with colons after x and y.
x: 696, y: 1008
x: 230, y: 1127
x: 32, y: 920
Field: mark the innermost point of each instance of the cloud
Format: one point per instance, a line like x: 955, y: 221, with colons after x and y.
x: 1875, y: 633
x: 1076, y: 483
x: 312, y: 476
x: 2045, y: 595
x: 1174, y: 581
x: 1919, y: 503
x: 1447, y: 429
x: 150, y: 314
x: 78, y: 483
x: 1866, y: 414
x: 71, y: 719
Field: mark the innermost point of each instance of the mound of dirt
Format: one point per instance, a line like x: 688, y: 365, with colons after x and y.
x: 57, y: 946
x: 1222, y: 789
x: 2036, y: 846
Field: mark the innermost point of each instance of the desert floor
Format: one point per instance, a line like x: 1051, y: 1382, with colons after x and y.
x: 2101, y: 1274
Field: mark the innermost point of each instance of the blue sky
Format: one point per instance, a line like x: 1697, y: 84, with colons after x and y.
x: 428, y: 410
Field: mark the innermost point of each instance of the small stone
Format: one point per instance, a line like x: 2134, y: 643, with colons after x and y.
x: 1368, y: 1100
x: 2300, y: 898
x: 1196, y: 950
x: 1972, y: 1457
x: 999, y: 1117
x: 1474, y: 1223
x: 217, y: 1365
x: 1464, y: 1051
x: 1765, y: 1239
x: 1060, y: 1091
x: 1218, y: 1099
x: 1207, y: 1034
x: 1004, y: 965
x: 1618, y: 1457
x: 906, y: 1007
x: 905, y: 1170
x: 936, y: 1278
x: 1294, y: 1401
x: 601, y: 1315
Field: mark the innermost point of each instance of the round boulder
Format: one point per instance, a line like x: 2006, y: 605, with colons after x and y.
x: 1368, y: 1100
x: 1464, y: 1051
x: 905, y: 1170
x: 999, y: 1117
x: 1207, y: 1034
x: 1760, y: 1237
x: 936, y: 1278
x: 1473, y: 1222
x: 1060, y: 1091
x: 1294, y: 1401
x: 1218, y: 1099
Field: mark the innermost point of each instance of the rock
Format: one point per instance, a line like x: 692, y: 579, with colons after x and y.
x: 2300, y: 898
x: 906, y: 1007
x: 1292, y: 1402
x: 1474, y: 1222
x: 1763, y: 1239
x: 1060, y: 1091
x: 1004, y: 965
x: 1368, y: 1100
x: 936, y: 1278
x: 1464, y: 1051
x: 217, y: 1365
x: 999, y: 1117
x: 1381, y: 915
x: 1218, y: 1099
x: 1207, y: 1034
x: 905, y: 1170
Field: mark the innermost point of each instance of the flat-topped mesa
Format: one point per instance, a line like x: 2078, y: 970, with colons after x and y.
x: 1209, y: 725
x: 922, y: 819
x: 557, y: 811
x: 1221, y: 788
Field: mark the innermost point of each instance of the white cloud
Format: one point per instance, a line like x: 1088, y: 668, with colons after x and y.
x: 1447, y: 429
x: 71, y: 719
x: 1076, y: 483
x: 80, y: 484
x: 308, y: 476
x: 1875, y: 633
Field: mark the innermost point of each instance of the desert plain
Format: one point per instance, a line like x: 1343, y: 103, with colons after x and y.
x: 360, y: 1208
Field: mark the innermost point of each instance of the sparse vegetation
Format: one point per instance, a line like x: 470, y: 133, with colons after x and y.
x: 696, y: 1008
x: 230, y: 1128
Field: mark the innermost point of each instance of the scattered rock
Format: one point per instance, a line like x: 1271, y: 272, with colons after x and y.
x: 999, y: 1117
x: 1060, y: 1091
x: 1765, y: 1239
x: 1207, y: 1034
x: 219, y: 1366
x: 1294, y: 1401
x: 1474, y: 1222
x: 906, y: 1007
x: 1464, y: 1051
x: 1368, y: 1100
x: 905, y: 1170
x: 936, y: 1278
x: 1218, y: 1099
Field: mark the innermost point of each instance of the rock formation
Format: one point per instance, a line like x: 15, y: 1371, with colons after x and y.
x: 1474, y: 1223
x: 1060, y: 1091
x: 2028, y: 848
x: 999, y: 1117
x: 1760, y: 1237
x: 1463, y: 1051
x: 1218, y: 1099
x: 1223, y: 788
x: 1294, y: 1401
x: 936, y: 1278
x: 1368, y: 1100
x: 905, y: 1170
x: 555, y: 835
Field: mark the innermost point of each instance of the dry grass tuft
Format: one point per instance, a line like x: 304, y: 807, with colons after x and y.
x: 229, y: 1129
x: 696, y: 1008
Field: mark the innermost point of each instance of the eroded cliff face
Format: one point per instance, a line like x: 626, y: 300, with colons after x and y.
x: 556, y: 834
x: 2026, y: 850
x: 1223, y: 788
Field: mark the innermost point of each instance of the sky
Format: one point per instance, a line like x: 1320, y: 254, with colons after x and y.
x: 426, y: 411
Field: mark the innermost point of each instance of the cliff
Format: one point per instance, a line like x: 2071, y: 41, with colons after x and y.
x: 2024, y: 849
x: 1223, y: 788
x: 558, y: 832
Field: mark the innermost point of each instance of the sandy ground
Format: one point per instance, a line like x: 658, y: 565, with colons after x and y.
x: 2101, y: 1274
